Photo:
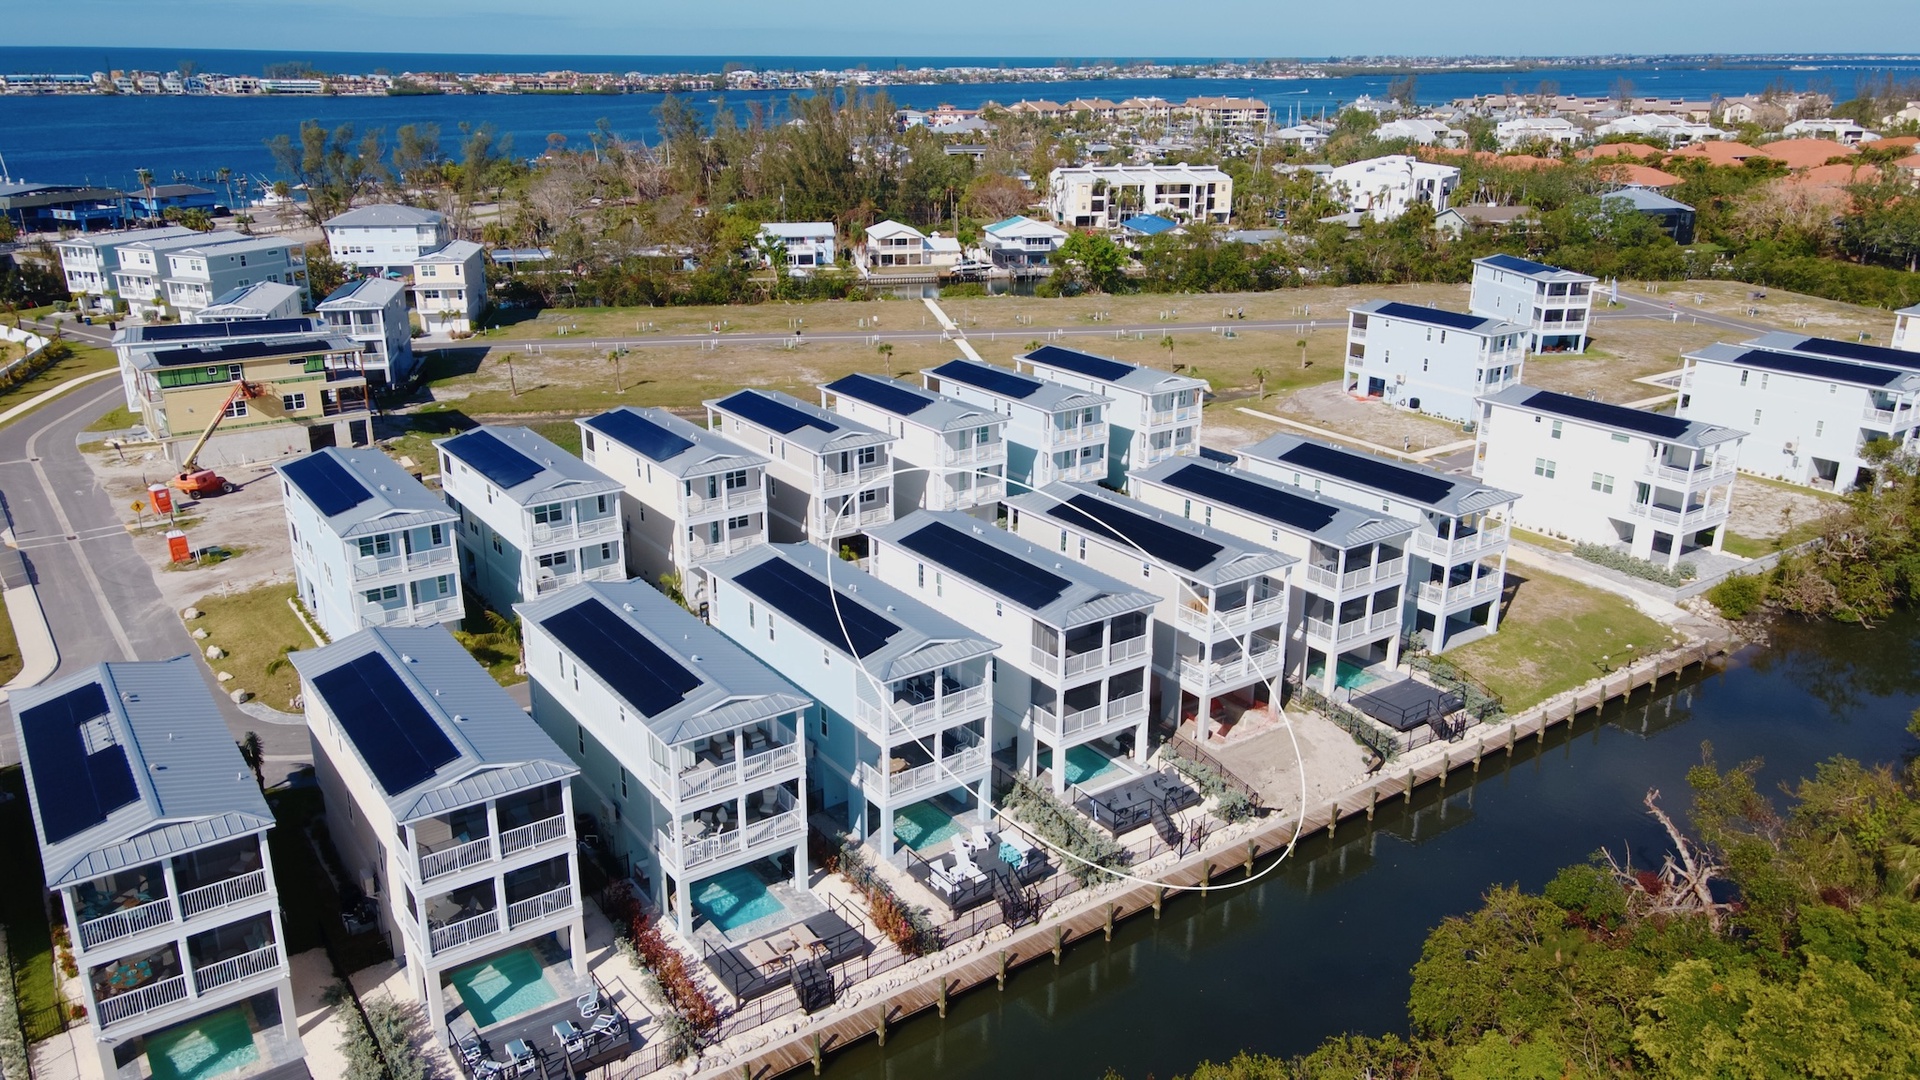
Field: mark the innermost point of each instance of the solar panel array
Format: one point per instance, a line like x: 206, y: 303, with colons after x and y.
x: 1222, y: 456
x: 647, y: 676
x: 75, y: 787
x: 209, y: 331
x: 639, y: 434
x: 1437, y: 316
x: 973, y: 558
x: 1264, y: 500
x: 483, y: 451
x: 1520, y: 266
x: 326, y: 483
x: 1815, y: 367
x: 1093, y: 367
x: 1599, y: 412
x: 1370, y: 471
x: 773, y: 415
x: 1158, y: 539
x: 1008, y: 384
x: 401, y: 743
x: 1854, y: 350
x: 235, y: 352
x: 840, y: 620
x: 881, y: 394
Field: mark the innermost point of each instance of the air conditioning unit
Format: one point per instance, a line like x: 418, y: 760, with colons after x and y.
x: 1790, y: 448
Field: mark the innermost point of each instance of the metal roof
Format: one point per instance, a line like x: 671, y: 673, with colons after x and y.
x: 259, y: 296
x: 912, y: 404
x: 1214, y: 556
x: 703, y: 452
x: 1303, y: 513
x: 138, y: 334
x: 735, y: 688
x: 240, y: 350
x: 1646, y: 425
x: 1528, y: 268
x: 1104, y: 369
x: 1428, y: 316
x: 395, y: 500
x: 806, y: 425
x: 192, y: 787
x: 1812, y: 367
x: 454, y: 251
x: 1640, y: 198
x: 554, y: 468
x: 1858, y: 351
x: 1443, y: 493
x: 498, y: 747
x: 385, y: 215
x: 1015, y: 387
x: 366, y: 292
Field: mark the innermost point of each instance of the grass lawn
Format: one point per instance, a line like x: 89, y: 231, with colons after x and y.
x: 118, y: 418
x: 29, y: 942
x: 86, y: 360
x: 9, y: 647
x: 1748, y: 547
x: 1551, y: 543
x: 257, y: 629
x: 564, y: 434
x: 1555, y: 635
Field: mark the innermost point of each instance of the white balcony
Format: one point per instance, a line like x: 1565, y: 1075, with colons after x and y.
x: 924, y: 717
x: 1448, y: 597
x: 959, y: 767
x: 1078, y: 435
x: 534, y: 908
x: 699, y: 547
x: 610, y: 572
x: 1463, y: 544
x: 435, y: 865
x: 1708, y: 473
x: 1195, y: 615
x: 760, y: 837
x: 377, y: 566
x: 126, y: 922
x: 706, y: 780
x: 1129, y: 709
x: 260, y: 961
x: 987, y: 452
x: 1127, y: 649
x: 134, y: 1003
x: 1698, y: 517
x: 453, y: 935
x: 408, y: 614
x: 1353, y: 579
x: 1356, y: 630
x: 531, y: 836
x: 222, y: 894
x: 728, y: 499
x: 1264, y: 662
x: 828, y: 523
x: 547, y: 531
x: 825, y: 479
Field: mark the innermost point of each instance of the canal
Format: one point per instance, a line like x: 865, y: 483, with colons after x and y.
x: 1325, y: 943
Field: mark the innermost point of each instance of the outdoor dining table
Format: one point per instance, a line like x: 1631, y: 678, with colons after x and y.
x: 128, y: 976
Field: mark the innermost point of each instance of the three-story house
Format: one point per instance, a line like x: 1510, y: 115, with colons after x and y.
x: 829, y: 479
x: 1054, y: 433
x: 1153, y: 415
x: 950, y: 454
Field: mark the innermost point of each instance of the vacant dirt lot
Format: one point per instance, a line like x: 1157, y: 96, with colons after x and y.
x: 1332, y: 409
x: 1763, y: 511
x: 1786, y: 310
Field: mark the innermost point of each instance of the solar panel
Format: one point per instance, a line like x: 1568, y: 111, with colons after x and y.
x: 402, y: 745
x: 1521, y: 266
x: 1162, y: 541
x: 647, y: 676
x: 234, y: 352
x: 1854, y: 350
x: 78, y: 777
x: 973, y: 558
x: 1264, y: 500
x: 772, y: 414
x: 1815, y: 367
x: 639, y: 434
x: 1008, y: 384
x: 1222, y: 456
x: 881, y: 394
x: 1370, y: 471
x: 208, y: 331
x: 1093, y: 367
x: 1599, y: 412
x: 485, y: 453
x: 1437, y: 316
x: 842, y: 621
x: 326, y: 484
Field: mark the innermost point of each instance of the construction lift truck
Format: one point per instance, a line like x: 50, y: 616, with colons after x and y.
x: 193, y: 482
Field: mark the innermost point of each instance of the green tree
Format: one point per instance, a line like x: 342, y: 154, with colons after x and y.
x: 1089, y: 262
x: 335, y: 167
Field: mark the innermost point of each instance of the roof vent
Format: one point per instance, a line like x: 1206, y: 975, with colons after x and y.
x: 157, y: 767
x: 405, y: 659
x: 241, y: 775
x: 889, y: 607
x: 459, y: 718
x: 129, y: 697
x: 626, y: 607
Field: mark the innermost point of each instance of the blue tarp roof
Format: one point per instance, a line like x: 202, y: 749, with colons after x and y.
x: 1148, y: 224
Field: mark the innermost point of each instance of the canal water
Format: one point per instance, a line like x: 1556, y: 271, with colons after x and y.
x: 1326, y: 943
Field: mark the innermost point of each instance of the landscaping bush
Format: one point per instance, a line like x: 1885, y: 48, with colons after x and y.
x: 13, y: 1041
x: 1739, y: 596
x: 1060, y: 826
x: 694, y: 1017
x: 1364, y: 732
x: 909, y: 927
x: 1230, y: 803
x: 1601, y: 555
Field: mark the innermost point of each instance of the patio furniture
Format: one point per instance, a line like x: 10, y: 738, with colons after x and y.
x: 471, y: 1051
x: 762, y: 954
x: 804, y: 938
x: 127, y: 976
x: 756, y: 741
x: 526, y: 1066
x: 981, y: 839
x: 589, y: 1005
x: 519, y: 1050
x: 606, y: 1024
x: 570, y: 1036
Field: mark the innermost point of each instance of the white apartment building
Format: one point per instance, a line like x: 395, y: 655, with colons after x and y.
x: 197, y: 275
x: 1809, y: 418
x: 1102, y: 196
x: 1220, y: 630
x: 692, y: 754
x: 153, y: 837
x: 692, y: 496
x: 809, y: 245
x: 373, y: 311
x: 1152, y: 415
x: 1553, y: 130
x: 1074, y: 645
x: 371, y: 545
x: 890, y: 244
x: 1054, y: 433
x: 1654, y: 486
x: 1348, y: 609
x: 1430, y: 360
x: 1020, y: 243
x: 261, y: 301
x: 1906, y: 328
x: 450, y: 288
x: 385, y: 238
x: 1458, y: 549
x: 1384, y: 187
x: 948, y: 454
x: 140, y: 277
x: 89, y: 260
x: 533, y: 518
x: 1555, y: 304
x: 450, y: 807
x: 829, y: 479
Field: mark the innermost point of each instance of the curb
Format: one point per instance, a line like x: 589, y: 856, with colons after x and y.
x: 39, y: 656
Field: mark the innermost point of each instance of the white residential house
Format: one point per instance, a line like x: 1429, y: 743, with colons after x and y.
x: 1906, y: 328
x: 262, y: 301
x: 89, y: 260
x: 533, y: 518
x: 1845, y: 132
x: 692, y: 754
x: 889, y: 245
x: 905, y: 691
x: 450, y: 288
x: 692, y: 495
x: 809, y: 245
x: 1384, y: 187
x: 1074, y: 645
x: 1809, y: 417
x: 1220, y: 629
x: 1425, y: 131
x: 1054, y: 433
x: 1305, y: 136
x: 143, y: 276
x: 1458, y: 550
x: 373, y: 311
x: 1020, y: 243
x: 1556, y: 304
x: 949, y: 454
x: 1152, y: 415
x: 829, y: 478
x: 385, y: 238
x: 448, y: 805
x: 196, y: 275
x: 1651, y: 485
x: 1523, y: 130
x: 1350, y: 600
x: 371, y: 545
x: 1673, y: 130
x: 153, y: 837
x: 1430, y: 360
x: 1102, y: 196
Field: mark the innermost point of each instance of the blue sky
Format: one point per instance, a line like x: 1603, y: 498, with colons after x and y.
x: 885, y: 28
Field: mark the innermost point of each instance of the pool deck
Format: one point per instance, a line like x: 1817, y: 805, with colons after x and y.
x: 796, y: 905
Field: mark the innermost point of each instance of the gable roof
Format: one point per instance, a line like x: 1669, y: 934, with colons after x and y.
x: 1644, y: 199
x: 680, y: 447
x: 1148, y: 224
x: 801, y: 423
x: 548, y: 467
x: 453, y: 251
x: 1192, y: 550
x: 362, y: 492
x: 1426, y: 316
x: 1303, y: 513
x: 1806, y: 153
x: 1634, y: 422
x: 384, y: 216
x: 1444, y: 493
x: 1105, y: 369
x: 913, y: 404
x: 1528, y: 268
x: 367, y: 292
x: 1810, y: 366
x: 1009, y: 385
x: 1056, y: 590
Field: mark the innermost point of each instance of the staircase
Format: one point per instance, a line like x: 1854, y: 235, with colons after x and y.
x: 813, y: 985
x: 1019, y: 904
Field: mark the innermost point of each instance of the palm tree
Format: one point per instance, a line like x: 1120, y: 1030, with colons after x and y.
x: 613, y: 357
x: 255, y: 756
x: 885, y: 349
x: 1166, y: 342
x: 1261, y: 373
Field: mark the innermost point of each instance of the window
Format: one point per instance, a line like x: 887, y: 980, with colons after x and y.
x: 738, y: 524
x: 769, y: 626
x: 1603, y: 483
x: 383, y: 594
x: 1617, y: 437
x: 1063, y: 540
x: 599, y: 504
x: 445, y: 584
x: 437, y: 534
x: 606, y: 551
x: 998, y: 610
x: 1819, y: 428
x: 1083, y: 549
x: 1763, y: 380
x: 1543, y: 467
x: 1146, y: 570
x: 581, y: 733
x: 939, y: 583
x: 920, y: 575
x: 1756, y: 416
x: 1556, y: 429
x: 496, y: 544
x: 556, y: 560
x: 236, y: 408
x: 371, y: 546
x: 548, y: 514
x: 869, y: 455
x: 293, y: 402
x: 1208, y: 516
x: 1743, y: 378
x: 751, y: 614
x: 736, y: 479
x: 1423, y: 365
x: 826, y: 658
x: 623, y: 781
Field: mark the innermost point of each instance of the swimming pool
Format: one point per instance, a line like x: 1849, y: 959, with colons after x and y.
x: 733, y: 898
x: 923, y: 825
x: 1348, y: 676
x: 210, y: 1046
x: 503, y: 987
x: 1085, y: 764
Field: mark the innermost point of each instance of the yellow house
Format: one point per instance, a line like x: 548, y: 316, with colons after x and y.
x: 274, y: 398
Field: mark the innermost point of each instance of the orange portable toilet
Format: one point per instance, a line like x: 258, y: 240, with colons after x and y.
x: 162, y: 498
x: 177, y: 546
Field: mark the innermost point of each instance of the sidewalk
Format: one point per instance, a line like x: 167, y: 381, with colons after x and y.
x: 1569, y: 567
x: 38, y: 654
x: 48, y: 395
x: 959, y: 336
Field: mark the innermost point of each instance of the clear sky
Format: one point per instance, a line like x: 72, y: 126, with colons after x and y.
x: 884, y: 28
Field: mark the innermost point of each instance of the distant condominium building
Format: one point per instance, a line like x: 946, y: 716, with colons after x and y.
x: 1103, y: 196
x: 1554, y: 304
x: 1152, y: 415
x: 949, y: 454
x: 1430, y: 360
x: 1054, y: 433
x: 829, y: 478
x: 385, y: 238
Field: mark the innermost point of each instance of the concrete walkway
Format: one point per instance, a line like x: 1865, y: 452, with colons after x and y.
x: 39, y: 657
x: 959, y: 336
x: 1567, y: 566
x: 45, y: 396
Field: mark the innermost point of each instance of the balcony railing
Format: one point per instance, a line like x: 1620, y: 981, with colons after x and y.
x: 612, y: 571
x: 996, y: 451
x: 1077, y: 663
x: 1264, y: 662
x: 234, y: 968
x: 435, y: 865
x: 1127, y: 649
x: 934, y: 775
x: 1077, y: 435
x: 1352, y: 579
x: 833, y: 523
x: 406, y: 615
x: 144, y: 1000
x: 694, y: 854
x: 540, y: 832
x: 96, y: 932
x: 1353, y: 630
x: 1463, y: 544
x: 1481, y: 588
x: 1698, y: 517
x: 1204, y: 620
x: 1075, y: 721
x: 223, y: 893
x: 921, y: 717
x: 718, y: 779
x: 545, y: 531
x: 834, y: 479
x: 521, y: 912
x: 728, y: 499
x: 454, y: 935
x: 1706, y: 473
x: 381, y: 565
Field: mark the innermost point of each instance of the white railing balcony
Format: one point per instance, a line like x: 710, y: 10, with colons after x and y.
x: 1044, y: 660
x: 234, y: 968
x: 521, y: 912
x: 1127, y: 649
x: 404, y: 615
x: 1878, y: 416
x: 373, y: 566
x: 1463, y: 544
x: 961, y: 766
x: 1078, y: 435
x: 1078, y: 663
x: 1697, y: 517
x: 1353, y: 579
x: 144, y: 1000
x: 834, y: 480
x: 1075, y: 721
x: 1356, y: 333
x: 709, y: 780
x: 599, y: 526
x: 923, y: 717
x: 1194, y: 615
x: 223, y: 893
x: 1263, y: 662
x: 435, y: 865
x: 1354, y: 630
x: 128, y: 921
x: 1481, y: 588
x: 454, y: 935
x: 547, y: 531
x: 545, y: 831
x: 833, y: 523
x: 728, y: 499
x: 989, y: 452
x: 1708, y: 472
x: 701, y: 548
x: 776, y: 830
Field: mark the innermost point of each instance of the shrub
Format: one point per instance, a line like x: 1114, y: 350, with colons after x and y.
x: 1739, y: 596
x: 1601, y: 555
x: 910, y: 928
x: 1060, y: 826
x: 1230, y: 803
x: 693, y: 1015
x: 1364, y: 732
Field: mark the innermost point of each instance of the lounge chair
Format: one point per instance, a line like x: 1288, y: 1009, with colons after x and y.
x: 589, y: 1005
x: 982, y: 840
